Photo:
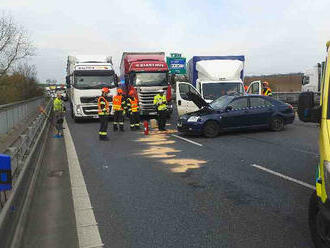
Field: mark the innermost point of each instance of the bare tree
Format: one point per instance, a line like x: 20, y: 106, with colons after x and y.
x: 15, y: 44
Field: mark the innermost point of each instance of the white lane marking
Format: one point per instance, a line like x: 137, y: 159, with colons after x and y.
x: 87, y: 229
x: 188, y: 140
x: 284, y: 176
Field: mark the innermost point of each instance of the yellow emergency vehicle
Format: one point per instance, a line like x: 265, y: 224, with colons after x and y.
x: 310, y: 111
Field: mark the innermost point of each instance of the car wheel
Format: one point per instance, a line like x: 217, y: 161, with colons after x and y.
x: 277, y: 124
x: 320, y: 229
x: 211, y: 129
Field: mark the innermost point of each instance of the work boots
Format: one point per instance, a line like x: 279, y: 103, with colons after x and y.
x: 121, y: 128
x: 115, y: 127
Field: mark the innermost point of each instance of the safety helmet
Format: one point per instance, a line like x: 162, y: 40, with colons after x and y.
x: 119, y: 91
x: 131, y: 92
x: 105, y: 90
x: 266, y: 83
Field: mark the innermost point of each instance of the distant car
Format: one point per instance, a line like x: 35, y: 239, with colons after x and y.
x: 235, y: 112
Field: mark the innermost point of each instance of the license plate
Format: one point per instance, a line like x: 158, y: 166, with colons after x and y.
x: 95, y: 117
x: 179, y: 124
x: 152, y: 113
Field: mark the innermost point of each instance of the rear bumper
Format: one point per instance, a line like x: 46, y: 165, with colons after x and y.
x: 289, y: 119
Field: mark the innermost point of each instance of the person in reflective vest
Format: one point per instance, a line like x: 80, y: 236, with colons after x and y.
x: 160, y: 103
x: 103, y: 110
x: 134, y: 111
x: 119, y: 106
x: 266, y: 90
x: 59, y: 110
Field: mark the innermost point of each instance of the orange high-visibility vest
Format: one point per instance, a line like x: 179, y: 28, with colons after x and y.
x: 103, y: 106
x: 134, y: 104
x: 117, y: 103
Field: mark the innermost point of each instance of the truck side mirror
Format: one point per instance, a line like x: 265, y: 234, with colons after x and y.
x: 308, y: 111
x: 67, y: 79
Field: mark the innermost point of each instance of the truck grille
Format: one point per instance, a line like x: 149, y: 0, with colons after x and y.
x: 146, y: 100
x: 88, y: 99
x: 90, y: 110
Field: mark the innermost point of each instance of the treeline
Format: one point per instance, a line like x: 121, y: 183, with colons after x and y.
x: 17, y: 81
x: 20, y: 85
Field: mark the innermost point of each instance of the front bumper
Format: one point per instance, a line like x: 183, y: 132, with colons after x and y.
x: 190, y: 127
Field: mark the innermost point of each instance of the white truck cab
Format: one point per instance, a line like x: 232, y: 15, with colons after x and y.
x: 86, y: 76
x: 213, y: 77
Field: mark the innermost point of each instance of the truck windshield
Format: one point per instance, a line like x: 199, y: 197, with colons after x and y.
x: 94, y: 82
x: 149, y: 79
x: 212, y: 91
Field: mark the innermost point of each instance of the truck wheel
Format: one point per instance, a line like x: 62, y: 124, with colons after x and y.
x: 277, y: 124
x: 211, y: 129
x: 320, y: 229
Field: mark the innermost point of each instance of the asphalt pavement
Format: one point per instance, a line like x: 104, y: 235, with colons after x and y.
x: 163, y: 191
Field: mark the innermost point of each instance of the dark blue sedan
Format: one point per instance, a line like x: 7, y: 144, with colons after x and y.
x: 236, y: 112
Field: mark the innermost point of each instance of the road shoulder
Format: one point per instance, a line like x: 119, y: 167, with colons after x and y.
x: 51, y: 220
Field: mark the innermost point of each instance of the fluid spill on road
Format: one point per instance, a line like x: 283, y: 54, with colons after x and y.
x: 159, y: 146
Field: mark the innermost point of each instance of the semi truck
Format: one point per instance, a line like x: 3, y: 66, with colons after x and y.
x: 210, y: 77
x: 145, y: 73
x: 312, y: 78
x: 86, y: 76
x: 310, y: 111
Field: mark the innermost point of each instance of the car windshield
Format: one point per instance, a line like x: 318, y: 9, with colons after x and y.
x: 221, y: 102
x: 149, y: 79
x: 94, y: 82
x: 212, y: 91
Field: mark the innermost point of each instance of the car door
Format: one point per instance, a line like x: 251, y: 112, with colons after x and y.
x: 238, y: 116
x: 260, y: 111
x: 187, y: 98
x: 255, y: 88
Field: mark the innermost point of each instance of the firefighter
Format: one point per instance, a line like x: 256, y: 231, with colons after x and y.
x: 103, y: 111
x: 119, y: 106
x: 160, y: 103
x: 266, y: 90
x: 134, y: 111
x: 59, y: 109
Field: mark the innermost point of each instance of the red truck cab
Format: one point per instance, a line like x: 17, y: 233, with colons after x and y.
x: 146, y: 74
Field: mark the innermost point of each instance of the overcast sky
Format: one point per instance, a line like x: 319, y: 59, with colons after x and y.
x: 275, y: 36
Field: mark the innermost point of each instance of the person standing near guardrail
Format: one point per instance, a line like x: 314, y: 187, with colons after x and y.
x: 103, y: 111
x: 59, y: 110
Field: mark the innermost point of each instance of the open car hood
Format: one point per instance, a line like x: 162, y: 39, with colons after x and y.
x: 197, y: 99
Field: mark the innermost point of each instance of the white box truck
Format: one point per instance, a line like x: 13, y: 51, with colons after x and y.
x: 86, y: 76
x: 210, y: 77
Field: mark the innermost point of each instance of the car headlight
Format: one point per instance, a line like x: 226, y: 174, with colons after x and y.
x: 193, y: 119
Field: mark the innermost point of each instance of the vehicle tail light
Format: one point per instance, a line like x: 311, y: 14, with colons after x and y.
x: 290, y: 106
x: 169, y: 93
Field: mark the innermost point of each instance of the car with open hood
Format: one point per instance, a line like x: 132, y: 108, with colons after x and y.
x: 234, y: 112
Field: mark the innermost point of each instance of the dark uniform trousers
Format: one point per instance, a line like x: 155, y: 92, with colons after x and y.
x: 135, y: 119
x: 103, y: 125
x: 118, y: 118
x: 162, y: 115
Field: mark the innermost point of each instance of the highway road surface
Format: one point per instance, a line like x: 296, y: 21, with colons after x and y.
x: 242, y: 189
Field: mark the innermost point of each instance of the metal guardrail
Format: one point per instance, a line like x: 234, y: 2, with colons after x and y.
x: 292, y: 97
x: 26, y: 153
x: 20, y: 149
x: 13, y: 114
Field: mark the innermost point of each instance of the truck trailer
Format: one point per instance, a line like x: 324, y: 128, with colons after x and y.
x: 86, y: 76
x: 145, y: 74
x: 210, y: 77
